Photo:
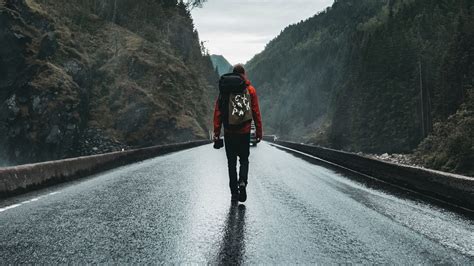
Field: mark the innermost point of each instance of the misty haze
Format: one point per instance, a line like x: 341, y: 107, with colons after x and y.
x: 237, y: 132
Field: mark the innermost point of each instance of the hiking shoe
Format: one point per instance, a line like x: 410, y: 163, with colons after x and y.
x: 242, y: 192
x: 235, y: 197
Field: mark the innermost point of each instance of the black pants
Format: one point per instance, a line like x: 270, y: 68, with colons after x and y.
x: 237, y: 145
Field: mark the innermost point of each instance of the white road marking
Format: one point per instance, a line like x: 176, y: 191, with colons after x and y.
x: 31, y: 200
x: 27, y: 201
x: 9, y: 207
x: 374, y: 178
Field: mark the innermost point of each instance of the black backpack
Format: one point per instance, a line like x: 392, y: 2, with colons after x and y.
x: 234, y: 101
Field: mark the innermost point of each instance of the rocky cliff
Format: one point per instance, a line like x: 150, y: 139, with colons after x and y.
x: 84, y: 77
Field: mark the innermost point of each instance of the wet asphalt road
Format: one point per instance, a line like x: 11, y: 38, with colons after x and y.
x: 176, y: 209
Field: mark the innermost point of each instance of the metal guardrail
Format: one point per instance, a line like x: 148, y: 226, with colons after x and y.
x: 270, y: 138
x: 447, y: 187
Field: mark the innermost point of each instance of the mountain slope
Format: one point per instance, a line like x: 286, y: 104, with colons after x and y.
x: 221, y: 64
x: 298, y: 71
x: 371, y: 75
x: 82, y: 77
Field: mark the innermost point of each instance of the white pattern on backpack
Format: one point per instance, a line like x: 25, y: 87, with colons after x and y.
x: 239, y: 103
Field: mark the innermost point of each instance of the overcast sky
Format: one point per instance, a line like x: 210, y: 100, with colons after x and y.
x: 239, y: 29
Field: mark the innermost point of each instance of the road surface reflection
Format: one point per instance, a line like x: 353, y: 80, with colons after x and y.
x: 232, y: 247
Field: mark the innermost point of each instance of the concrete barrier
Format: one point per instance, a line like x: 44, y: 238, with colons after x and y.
x: 451, y: 188
x: 24, y: 178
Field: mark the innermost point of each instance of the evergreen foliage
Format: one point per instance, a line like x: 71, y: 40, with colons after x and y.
x: 221, y: 64
x: 368, y: 75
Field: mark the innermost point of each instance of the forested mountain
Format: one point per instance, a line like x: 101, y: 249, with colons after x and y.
x: 221, y: 64
x: 376, y: 76
x: 89, y: 76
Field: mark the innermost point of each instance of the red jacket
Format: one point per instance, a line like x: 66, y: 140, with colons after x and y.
x: 245, y: 128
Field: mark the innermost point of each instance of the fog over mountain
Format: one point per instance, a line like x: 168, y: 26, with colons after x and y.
x: 240, y: 29
x: 221, y: 64
x: 378, y: 76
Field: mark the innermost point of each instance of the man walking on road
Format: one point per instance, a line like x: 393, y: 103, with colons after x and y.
x: 235, y: 108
